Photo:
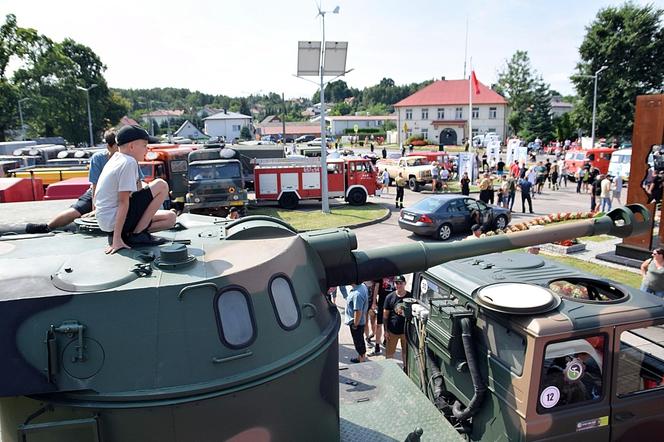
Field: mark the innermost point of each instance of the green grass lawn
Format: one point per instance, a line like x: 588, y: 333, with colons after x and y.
x: 311, y: 219
x: 622, y: 276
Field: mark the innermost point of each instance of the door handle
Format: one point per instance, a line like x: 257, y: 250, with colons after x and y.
x: 621, y: 417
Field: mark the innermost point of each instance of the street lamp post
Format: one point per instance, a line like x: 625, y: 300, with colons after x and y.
x: 87, y: 94
x: 323, y: 134
x: 20, y: 115
x: 592, y: 136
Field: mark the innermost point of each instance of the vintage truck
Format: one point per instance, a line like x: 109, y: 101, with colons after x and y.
x: 414, y: 168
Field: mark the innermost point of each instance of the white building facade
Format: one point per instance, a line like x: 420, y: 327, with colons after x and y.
x: 226, y: 124
x: 339, y: 124
x: 440, y: 113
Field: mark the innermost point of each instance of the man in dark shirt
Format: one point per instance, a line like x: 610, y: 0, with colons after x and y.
x: 525, y: 186
x: 395, y: 321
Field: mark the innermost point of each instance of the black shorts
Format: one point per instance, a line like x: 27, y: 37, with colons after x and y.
x: 138, y: 202
x: 83, y: 204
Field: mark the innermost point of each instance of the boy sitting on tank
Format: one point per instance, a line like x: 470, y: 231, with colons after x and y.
x: 83, y: 207
x: 126, y: 211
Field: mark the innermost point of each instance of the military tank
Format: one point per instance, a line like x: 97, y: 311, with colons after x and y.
x: 222, y: 334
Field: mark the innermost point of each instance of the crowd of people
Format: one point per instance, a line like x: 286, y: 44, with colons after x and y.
x: 375, y: 316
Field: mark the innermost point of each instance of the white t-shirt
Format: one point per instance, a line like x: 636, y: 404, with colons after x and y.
x: 119, y: 175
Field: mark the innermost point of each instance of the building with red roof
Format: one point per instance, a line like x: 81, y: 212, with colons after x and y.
x: 439, y: 112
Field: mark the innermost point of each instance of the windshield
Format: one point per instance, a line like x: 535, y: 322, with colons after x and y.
x: 428, y: 205
x: 146, y: 170
x: 414, y: 161
x: 620, y: 159
x: 220, y: 171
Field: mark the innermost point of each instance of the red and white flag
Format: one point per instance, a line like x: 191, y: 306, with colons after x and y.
x: 476, y: 84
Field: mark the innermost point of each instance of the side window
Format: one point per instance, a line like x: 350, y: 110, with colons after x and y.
x: 472, y: 205
x: 591, y: 157
x: 429, y: 289
x: 235, y: 317
x: 641, y: 360
x: 285, y: 305
x: 571, y: 373
x: 506, y: 345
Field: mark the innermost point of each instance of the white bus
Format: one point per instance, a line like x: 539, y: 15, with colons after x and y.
x: 621, y: 161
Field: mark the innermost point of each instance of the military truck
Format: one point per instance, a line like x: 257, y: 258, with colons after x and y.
x: 225, y: 334
x: 215, y: 184
x: 517, y: 347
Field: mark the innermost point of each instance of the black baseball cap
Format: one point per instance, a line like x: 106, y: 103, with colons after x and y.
x: 399, y: 278
x: 127, y: 134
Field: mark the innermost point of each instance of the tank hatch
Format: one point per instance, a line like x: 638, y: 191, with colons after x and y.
x: 83, y: 272
x: 588, y: 290
x: 517, y: 298
x: 510, y: 261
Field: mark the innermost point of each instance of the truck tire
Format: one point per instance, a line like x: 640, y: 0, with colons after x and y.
x: 289, y: 201
x: 357, y: 197
x: 413, y: 184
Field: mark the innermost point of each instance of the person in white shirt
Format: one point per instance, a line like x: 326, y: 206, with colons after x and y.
x: 125, y: 210
x: 605, y: 195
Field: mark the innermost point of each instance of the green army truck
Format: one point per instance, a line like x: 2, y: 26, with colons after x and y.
x: 215, y: 184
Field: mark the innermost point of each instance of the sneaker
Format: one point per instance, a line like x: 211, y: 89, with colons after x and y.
x: 36, y: 228
x: 144, y: 239
x: 369, y: 338
x: 355, y: 360
x: 376, y: 350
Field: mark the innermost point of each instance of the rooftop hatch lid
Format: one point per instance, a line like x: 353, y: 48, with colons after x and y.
x: 517, y: 298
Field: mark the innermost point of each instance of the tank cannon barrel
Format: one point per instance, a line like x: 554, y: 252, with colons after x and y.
x: 344, y: 265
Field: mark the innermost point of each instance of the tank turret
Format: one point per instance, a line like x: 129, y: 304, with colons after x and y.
x: 223, y: 333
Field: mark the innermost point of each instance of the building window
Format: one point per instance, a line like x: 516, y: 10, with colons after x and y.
x: 409, y: 114
x: 441, y: 113
x: 236, y: 128
x: 476, y: 112
x: 475, y: 132
x: 459, y: 113
x: 425, y: 134
x: 236, y: 320
x: 410, y: 133
x: 492, y: 130
x: 493, y: 113
x: 283, y: 300
x: 425, y: 114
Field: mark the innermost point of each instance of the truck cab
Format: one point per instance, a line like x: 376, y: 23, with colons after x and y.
x: 170, y: 162
x: 215, y: 186
x: 560, y: 355
x: 598, y: 158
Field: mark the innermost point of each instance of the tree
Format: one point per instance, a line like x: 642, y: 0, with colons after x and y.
x: 563, y: 128
x: 245, y: 133
x: 515, y: 83
x: 629, y: 40
x: 537, y: 121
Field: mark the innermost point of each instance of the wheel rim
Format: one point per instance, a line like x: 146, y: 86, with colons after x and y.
x: 444, y: 232
x: 501, y: 223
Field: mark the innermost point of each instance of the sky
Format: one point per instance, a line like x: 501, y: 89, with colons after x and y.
x: 237, y: 48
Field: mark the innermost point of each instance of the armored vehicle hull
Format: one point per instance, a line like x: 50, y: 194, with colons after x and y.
x: 222, y: 334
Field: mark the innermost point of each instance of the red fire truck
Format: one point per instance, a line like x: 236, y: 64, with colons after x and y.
x: 290, y: 180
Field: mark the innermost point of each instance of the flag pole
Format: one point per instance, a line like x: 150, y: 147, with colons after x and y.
x: 470, y: 109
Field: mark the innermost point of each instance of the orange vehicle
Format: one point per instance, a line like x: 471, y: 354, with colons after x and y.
x: 598, y: 158
x: 289, y: 181
x: 168, y: 161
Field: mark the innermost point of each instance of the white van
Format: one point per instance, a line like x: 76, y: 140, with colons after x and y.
x: 621, y: 161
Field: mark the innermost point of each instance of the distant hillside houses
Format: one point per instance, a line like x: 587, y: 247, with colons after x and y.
x: 161, y: 116
x: 439, y: 112
x: 226, y: 124
x: 188, y: 130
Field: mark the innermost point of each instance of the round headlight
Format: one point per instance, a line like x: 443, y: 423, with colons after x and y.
x: 197, y: 200
x: 231, y: 190
x: 151, y: 156
x: 235, y: 197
